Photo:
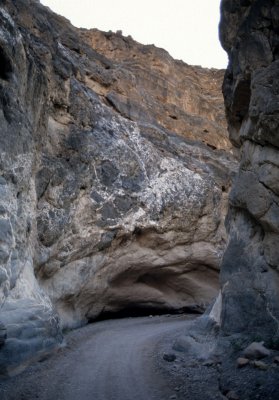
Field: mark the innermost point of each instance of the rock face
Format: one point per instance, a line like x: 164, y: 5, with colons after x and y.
x: 250, y: 280
x: 106, y: 204
x: 179, y: 97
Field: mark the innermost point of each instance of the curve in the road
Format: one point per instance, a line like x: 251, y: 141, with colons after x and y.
x: 108, y: 360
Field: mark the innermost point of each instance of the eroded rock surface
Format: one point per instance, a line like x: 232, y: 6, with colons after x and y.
x: 182, y: 98
x: 104, y: 206
x: 250, y: 280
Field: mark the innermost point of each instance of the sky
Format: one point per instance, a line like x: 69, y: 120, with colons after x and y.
x: 187, y: 29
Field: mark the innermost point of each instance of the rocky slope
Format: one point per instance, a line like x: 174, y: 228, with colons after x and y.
x: 149, y: 86
x: 106, y: 203
x: 250, y: 280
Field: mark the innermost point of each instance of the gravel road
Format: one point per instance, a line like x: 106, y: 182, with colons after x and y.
x: 107, y: 360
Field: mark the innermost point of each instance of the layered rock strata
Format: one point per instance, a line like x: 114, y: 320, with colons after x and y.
x: 250, y: 280
x: 104, y: 206
x: 182, y: 98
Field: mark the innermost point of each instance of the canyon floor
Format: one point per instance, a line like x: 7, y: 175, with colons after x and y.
x: 144, y: 358
x: 109, y: 360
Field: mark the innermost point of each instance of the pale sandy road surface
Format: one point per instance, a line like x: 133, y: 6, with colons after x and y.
x: 107, y: 360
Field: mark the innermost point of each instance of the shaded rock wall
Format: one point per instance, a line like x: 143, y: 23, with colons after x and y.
x: 28, y: 322
x: 101, y: 209
x: 250, y: 280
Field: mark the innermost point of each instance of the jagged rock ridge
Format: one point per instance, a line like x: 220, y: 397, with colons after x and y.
x: 101, y: 208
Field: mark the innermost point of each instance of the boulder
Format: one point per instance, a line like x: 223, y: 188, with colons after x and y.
x: 256, y: 351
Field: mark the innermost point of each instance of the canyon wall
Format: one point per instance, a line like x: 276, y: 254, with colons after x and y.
x: 115, y: 168
x: 151, y: 87
x: 249, y: 32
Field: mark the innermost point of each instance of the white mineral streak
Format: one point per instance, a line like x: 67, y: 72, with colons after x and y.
x: 101, y: 211
x: 215, y: 313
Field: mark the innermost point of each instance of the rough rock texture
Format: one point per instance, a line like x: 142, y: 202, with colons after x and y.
x: 250, y: 281
x: 101, y: 208
x: 28, y: 321
x: 182, y: 98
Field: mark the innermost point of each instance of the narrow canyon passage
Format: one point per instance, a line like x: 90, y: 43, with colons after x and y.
x: 115, y: 168
x: 107, y: 360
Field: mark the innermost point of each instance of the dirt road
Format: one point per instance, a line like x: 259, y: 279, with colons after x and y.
x: 107, y: 360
